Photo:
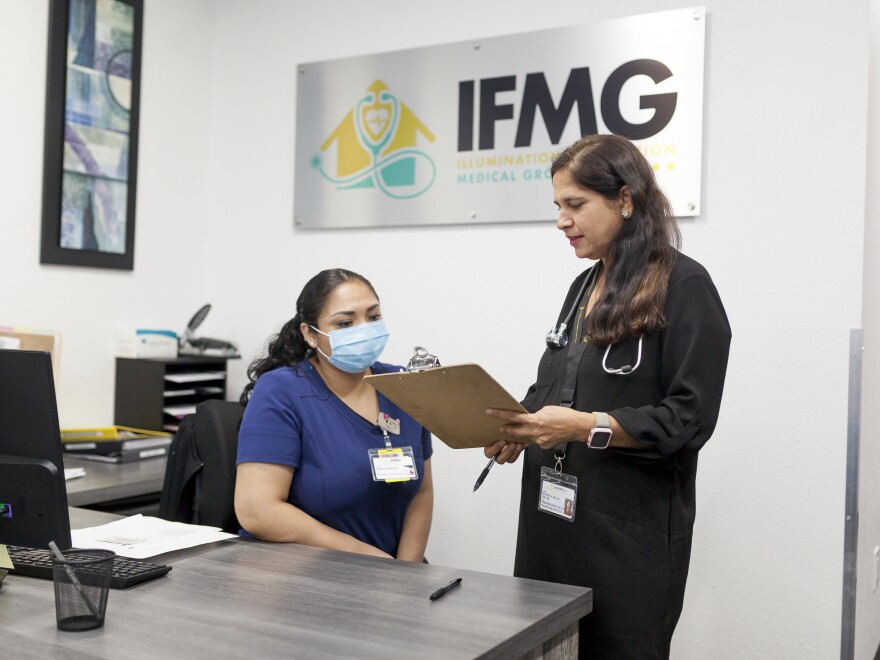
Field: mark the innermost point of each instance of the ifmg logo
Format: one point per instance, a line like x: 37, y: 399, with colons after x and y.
x: 578, y: 92
x: 375, y: 148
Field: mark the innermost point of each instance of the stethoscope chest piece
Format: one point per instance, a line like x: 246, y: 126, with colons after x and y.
x: 557, y: 338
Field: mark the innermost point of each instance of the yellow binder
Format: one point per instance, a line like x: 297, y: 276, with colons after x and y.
x: 98, y: 434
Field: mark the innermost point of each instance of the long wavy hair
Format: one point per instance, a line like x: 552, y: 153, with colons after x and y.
x: 289, y: 346
x: 643, y: 254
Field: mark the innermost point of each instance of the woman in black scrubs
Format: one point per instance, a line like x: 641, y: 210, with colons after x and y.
x: 626, y: 395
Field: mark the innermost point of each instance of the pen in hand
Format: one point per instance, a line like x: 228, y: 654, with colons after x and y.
x: 442, y: 591
x: 483, y: 474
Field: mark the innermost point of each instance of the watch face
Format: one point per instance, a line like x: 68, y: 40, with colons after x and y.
x: 599, y: 438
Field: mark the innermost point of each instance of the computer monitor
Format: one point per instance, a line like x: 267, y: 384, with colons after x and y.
x: 33, y: 494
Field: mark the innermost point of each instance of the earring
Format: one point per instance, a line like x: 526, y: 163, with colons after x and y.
x: 625, y: 213
x: 312, y: 344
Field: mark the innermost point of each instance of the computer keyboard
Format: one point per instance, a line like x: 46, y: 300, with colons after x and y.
x: 37, y: 562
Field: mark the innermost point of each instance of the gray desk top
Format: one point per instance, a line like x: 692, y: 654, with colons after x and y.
x: 107, y: 482
x: 258, y: 599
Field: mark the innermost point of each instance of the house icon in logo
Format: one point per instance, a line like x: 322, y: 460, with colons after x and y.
x: 375, y: 146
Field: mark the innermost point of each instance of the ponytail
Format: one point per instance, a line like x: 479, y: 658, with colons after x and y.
x: 285, y: 349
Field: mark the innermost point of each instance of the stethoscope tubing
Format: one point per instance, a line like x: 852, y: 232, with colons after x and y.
x: 626, y: 369
x: 556, y: 338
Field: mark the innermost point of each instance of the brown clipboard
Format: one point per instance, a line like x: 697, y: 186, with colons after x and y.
x: 450, y: 402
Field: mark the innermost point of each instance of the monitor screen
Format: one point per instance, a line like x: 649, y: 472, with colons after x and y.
x: 33, y: 495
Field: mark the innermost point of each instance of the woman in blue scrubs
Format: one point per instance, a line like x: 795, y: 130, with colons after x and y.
x: 313, y: 465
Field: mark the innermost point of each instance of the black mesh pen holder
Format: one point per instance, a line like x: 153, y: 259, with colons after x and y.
x: 82, y: 584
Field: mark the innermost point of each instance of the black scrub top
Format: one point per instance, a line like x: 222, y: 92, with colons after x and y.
x: 631, y: 537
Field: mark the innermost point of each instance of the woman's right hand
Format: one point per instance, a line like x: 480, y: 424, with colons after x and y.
x: 504, y: 452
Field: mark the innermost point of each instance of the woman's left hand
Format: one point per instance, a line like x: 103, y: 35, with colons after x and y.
x: 550, y: 426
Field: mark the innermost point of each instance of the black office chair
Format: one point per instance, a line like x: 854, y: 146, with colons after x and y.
x: 199, y: 485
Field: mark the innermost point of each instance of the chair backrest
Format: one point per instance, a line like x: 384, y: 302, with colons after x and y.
x: 217, y: 425
x: 199, y: 483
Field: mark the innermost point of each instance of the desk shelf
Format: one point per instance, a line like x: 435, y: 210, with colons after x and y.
x: 156, y: 393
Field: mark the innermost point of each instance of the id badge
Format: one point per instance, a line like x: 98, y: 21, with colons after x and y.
x: 393, y: 464
x: 558, y: 495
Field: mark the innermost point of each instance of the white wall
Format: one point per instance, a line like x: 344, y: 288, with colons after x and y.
x: 783, y: 194
x: 783, y: 198
x: 169, y: 280
x: 867, y: 633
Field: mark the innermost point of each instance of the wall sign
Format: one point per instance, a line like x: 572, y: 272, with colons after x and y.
x: 466, y: 132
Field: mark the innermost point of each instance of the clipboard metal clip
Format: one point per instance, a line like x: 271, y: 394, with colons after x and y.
x: 422, y: 360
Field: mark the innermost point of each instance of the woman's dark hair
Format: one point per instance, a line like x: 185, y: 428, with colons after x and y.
x: 289, y: 346
x: 642, y: 255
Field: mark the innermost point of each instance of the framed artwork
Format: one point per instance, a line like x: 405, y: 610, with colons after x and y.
x: 90, y: 162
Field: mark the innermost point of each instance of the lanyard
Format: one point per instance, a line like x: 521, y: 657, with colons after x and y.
x: 572, y: 361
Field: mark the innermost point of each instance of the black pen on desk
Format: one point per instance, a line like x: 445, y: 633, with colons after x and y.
x: 442, y: 591
x: 483, y: 474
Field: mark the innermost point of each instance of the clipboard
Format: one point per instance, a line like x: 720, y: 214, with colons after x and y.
x: 450, y: 402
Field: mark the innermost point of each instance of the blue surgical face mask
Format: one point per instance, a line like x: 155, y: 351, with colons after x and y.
x: 356, y: 348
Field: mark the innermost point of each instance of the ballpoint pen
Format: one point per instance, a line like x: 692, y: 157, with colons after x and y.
x: 483, y: 474
x: 442, y: 591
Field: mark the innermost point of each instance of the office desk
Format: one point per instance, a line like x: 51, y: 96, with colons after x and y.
x: 247, y: 598
x: 110, y: 482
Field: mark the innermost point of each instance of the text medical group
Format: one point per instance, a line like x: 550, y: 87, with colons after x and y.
x: 502, y: 176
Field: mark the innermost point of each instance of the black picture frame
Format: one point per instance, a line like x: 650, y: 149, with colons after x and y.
x: 91, y: 137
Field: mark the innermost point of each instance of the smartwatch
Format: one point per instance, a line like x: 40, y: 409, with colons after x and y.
x: 600, y: 436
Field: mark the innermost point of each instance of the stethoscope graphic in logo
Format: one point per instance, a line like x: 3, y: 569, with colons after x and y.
x: 376, y: 119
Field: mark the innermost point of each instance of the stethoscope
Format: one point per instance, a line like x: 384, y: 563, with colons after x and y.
x: 375, y: 142
x: 557, y: 338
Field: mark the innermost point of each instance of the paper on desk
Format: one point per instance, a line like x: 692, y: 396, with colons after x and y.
x: 5, y: 561
x: 141, y: 536
x: 73, y: 473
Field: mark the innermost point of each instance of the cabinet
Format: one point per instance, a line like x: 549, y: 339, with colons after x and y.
x: 156, y: 393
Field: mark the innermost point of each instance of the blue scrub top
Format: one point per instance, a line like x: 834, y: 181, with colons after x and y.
x: 294, y: 419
